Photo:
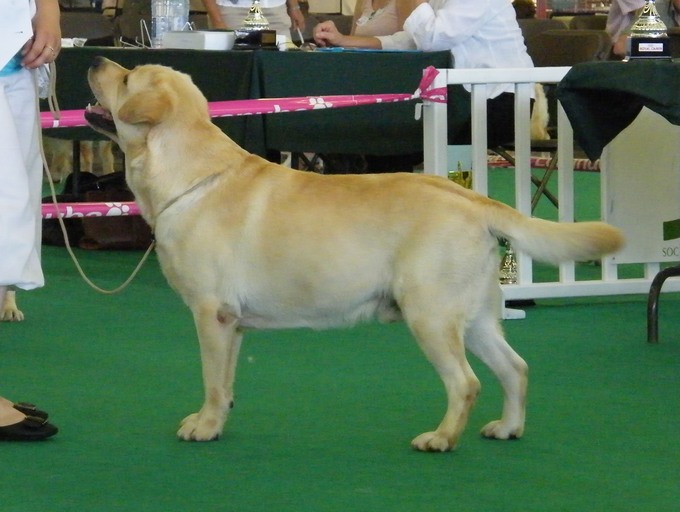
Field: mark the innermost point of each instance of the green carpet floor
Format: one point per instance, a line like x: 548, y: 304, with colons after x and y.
x: 323, y: 420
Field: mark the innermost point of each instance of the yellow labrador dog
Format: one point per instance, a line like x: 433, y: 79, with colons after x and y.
x: 252, y: 244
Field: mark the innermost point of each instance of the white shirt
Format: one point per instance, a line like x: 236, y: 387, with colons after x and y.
x: 15, y: 27
x: 479, y: 34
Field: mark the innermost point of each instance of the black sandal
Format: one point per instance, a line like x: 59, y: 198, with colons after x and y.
x: 30, y: 428
x: 30, y: 410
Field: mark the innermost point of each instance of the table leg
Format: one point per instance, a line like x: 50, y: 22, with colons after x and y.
x: 76, y: 168
x: 653, y: 302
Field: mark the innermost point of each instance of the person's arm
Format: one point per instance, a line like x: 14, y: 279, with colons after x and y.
x: 327, y: 34
x: 620, y: 45
x: 358, y: 10
x: 295, y: 13
x: 45, y: 44
x: 405, y: 8
x: 449, y: 25
x: 214, y: 15
x: 676, y: 11
x: 619, y: 17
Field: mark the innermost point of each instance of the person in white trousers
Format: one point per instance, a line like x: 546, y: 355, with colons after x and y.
x: 31, y: 37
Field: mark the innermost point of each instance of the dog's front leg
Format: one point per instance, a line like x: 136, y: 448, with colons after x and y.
x: 220, y: 341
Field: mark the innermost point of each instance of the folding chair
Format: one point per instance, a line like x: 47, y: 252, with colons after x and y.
x: 557, y: 47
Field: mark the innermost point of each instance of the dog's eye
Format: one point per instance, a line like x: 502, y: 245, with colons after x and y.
x: 125, y: 80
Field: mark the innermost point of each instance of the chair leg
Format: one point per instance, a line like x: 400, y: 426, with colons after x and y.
x: 653, y: 302
x: 76, y: 167
x: 543, y: 183
x: 540, y: 184
x: 301, y: 162
x: 296, y: 159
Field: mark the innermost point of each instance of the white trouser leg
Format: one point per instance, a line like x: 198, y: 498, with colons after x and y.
x: 21, y: 177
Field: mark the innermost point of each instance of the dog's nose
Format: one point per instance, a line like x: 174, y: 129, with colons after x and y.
x: 97, y: 61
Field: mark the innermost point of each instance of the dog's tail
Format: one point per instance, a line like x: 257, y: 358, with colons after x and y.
x: 552, y: 242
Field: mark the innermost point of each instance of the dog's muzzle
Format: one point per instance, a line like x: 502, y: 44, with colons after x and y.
x: 98, y: 117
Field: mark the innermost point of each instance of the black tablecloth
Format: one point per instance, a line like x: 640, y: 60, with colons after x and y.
x: 388, y: 128
x: 230, y: 75
x: 603, y: 98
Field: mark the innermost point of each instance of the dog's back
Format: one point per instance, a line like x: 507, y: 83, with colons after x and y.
x: 544, y: 240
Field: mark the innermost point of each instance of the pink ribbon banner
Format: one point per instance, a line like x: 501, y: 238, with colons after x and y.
x: 76, y: 118
x: 79, y: 210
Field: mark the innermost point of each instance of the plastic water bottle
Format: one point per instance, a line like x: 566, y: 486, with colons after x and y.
x: 167, y: 15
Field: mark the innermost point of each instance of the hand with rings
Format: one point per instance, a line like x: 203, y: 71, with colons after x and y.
x: 44, y: 46
x: 35, y: 57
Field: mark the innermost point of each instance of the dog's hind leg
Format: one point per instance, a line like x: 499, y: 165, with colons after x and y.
x: 105, y: 153
x: 230, y: 375
x: 220, y: 340
x: 86, y: 156
x: 485, y: 340
x: 441, y: 338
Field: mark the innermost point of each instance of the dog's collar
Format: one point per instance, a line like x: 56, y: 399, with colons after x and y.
x: 204, y: 182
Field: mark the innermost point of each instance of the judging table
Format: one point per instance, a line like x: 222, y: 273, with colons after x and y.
x: 389, y: 128
x: 372, y: 129
x: 629, y: 112
x: 602, y: 98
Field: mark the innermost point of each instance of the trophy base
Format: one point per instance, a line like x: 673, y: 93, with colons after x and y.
x: 255, y: 40
x: 649, y: 48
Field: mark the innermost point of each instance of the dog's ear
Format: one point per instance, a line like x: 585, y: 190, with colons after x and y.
x: 150, y: 107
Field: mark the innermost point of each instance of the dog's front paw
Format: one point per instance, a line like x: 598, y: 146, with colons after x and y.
x: 499, y: 430
x: 11, y: 315
x: 432, y: 442
x: 200, y: 427
x: 9, y: 312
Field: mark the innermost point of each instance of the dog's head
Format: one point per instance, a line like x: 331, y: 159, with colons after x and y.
x: 130, y: 103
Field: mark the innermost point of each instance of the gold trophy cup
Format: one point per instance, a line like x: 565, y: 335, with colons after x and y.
x: 255, y: 33
x: 649, y: 35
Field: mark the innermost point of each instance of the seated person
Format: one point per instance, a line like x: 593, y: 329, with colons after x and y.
x: 525, y: 9
x: 375, y: 18
x: 380, y: 17
x: 623, y: 13
x: 480, y: 34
